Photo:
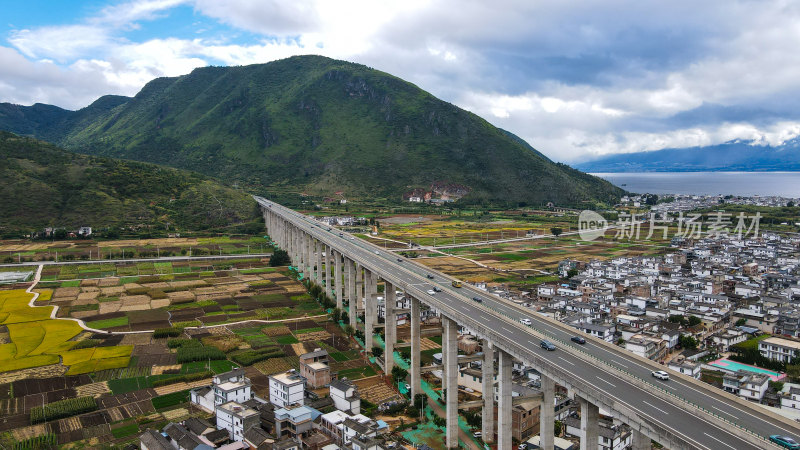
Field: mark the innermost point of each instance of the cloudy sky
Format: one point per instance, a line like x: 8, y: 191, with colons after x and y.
x: 577, y: 79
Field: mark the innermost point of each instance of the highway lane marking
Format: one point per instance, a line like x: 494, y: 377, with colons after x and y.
x: 723, y: 443
x: 571, y: 363
x: 654, y: 406
x: 723, y: 411
x: 604, y: 381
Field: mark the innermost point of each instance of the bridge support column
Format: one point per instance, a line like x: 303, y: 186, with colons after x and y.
x: 547, y: 414
x: 639, y: 441
x: 309, y: 265
x: 450, y: 380
x: 504, y: 400
x: 352, y: 299
x: 390, y: 326
x: 590, y: 415
x: 369, y: 310
x: 318, y: 261
x: 487, y: 421
x: 416, y: 386
x: 337, y: 269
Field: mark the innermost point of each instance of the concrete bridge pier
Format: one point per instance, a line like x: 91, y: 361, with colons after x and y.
x: 547, y: 414
x: 338, y: 283
x: 640, y: 441
x: 505, y: 363
x: 416, y: 385
x: 369, y: 310
x: 390, y: 336
x: 450, y: 380
x: 590, y: 415
x: 352, y: 298
x: 487, y: 421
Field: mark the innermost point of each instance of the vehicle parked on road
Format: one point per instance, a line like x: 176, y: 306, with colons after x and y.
x: 784, y: 441
x: 547, y: 345
x: 578, y: 340
x: 661, y: 375
x: 525, y: 321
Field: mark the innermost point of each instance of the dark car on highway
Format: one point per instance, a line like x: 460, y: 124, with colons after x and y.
x: 429, y: 276
x: 477, y: 299
x: 578, y: 340
x: 547, y: 345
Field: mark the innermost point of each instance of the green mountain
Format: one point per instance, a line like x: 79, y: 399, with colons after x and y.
x: 313, y: 124
x: 44, y: 185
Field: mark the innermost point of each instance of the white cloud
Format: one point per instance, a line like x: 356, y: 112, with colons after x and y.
x: 575, y: 80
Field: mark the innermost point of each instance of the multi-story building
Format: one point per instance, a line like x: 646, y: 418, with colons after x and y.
x: 287, y: 388
x: 236, y: 418
x: 232, y: 386
x: 686, y: 367
x: 345, y: 396
x: 295, y: 421
x: 750, y: 386
x: 315, y: 368
x: 779, y: 349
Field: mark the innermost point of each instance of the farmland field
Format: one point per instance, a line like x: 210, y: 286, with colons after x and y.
x: 210, y: 317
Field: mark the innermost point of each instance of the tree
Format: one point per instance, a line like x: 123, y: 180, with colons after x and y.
x: 687, y: 342
x: 694, y: 320
x: 398, y: 373
x: 439, y: 421
x: 345, y: 317
x: 349, y: 330
x: 279, y: 258
x: 572, y: 272
x: 741, y: 322
x: 555, y: 231
x: 377, y: 351
x: 473, y: 419
x: 557, y: 425
x: 336, y: 314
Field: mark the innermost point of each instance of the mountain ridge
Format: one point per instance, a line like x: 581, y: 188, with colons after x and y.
x: 731, y: 156
x: 319, y: 124
x: 54, y: 187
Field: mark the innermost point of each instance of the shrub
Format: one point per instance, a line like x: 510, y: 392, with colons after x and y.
x: 176, y: 343
x: 187, y: 378
x: 197, y: 353
x: 86, y: 343
x: 250, y: 357
x: 43, y: 441
x: 62, y: 408
x: 167, y: 332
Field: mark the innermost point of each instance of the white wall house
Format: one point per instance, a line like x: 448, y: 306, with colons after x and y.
x: 689, y: 368
x: 286, y: 389
x: 236, y: 418
x: 345, y: 396
x: 779, y: 349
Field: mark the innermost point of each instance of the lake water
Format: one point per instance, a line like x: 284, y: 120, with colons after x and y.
x: 784, y: 184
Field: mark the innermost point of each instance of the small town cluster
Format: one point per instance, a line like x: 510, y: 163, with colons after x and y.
x: 721, y: 309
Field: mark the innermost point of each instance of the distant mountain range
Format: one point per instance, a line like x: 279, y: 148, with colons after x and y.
x: 316, y: 125
x: 738, y: 155
x: 42, y: 185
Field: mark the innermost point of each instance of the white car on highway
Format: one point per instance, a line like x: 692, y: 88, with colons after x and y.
x: 661, y: 375
x: 431, y: 292
x: 525, y: 321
